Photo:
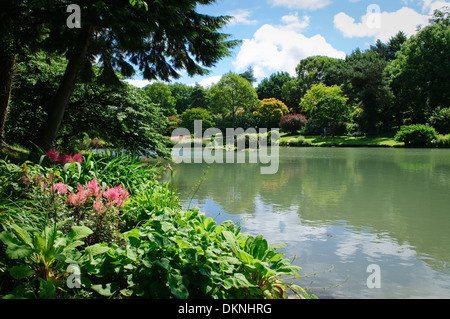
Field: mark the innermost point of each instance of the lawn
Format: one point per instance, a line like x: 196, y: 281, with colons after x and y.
x: 351, y: 141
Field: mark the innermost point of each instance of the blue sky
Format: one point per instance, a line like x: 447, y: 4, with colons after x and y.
x: 277, y: 34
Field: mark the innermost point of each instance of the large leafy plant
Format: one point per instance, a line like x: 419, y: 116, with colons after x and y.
x: 37, y: 261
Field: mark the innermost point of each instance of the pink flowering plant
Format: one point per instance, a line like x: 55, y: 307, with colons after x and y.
x: 55, y: 157
x: 93, y: 206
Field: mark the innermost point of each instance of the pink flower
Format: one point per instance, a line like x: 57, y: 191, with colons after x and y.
x: 66, y: 158
x: 98, y: 206
x: 53, y: 155
x: 59, y: 187
x: 93, y: 187
x: 116, y: 196
x: 77, y: 158
x: 77, y: 199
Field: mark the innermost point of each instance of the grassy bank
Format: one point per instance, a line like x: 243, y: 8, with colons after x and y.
x: 339, y: 141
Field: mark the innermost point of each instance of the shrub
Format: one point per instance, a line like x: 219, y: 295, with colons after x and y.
x: 440, y: 120
x: 271, y: 111
x: 247, y: 120
x: 443, y: 141
x: 417, y: 135
x: 292, y: 122
x: 189, y: 116
x: 297, y: 142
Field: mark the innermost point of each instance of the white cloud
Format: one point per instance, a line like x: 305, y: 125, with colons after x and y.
x: 139, y: 83
x: 430, y: 5
x: 292, y: 21
x: 240, y: 16
x: 301, y: 4
x: 380, y: 25
x: 208, y: 81
x: 280, y: 48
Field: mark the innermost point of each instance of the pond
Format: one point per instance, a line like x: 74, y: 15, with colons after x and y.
x: 339, y: 211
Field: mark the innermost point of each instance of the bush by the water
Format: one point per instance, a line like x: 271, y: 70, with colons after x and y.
x: 292, y: 123
x: 417, y: 135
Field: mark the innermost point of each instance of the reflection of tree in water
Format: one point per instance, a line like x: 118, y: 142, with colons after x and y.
x: 387, y: 191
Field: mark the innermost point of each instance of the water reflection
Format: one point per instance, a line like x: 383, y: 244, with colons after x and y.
x: 343, y: 207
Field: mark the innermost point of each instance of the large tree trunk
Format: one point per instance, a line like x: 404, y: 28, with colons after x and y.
x: 7, y: 62
x: 59, y: 103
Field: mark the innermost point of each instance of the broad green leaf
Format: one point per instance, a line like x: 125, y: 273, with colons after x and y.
x: 20, y: 272
x: 240, y: 281
x: 15, y: 251
x: 106, y: 291
x: 96, y: 249
x: 177, y: 287
x: 47, y: 290
x: 78, y: 232
x: 260, y: 248
x: 22, y: 234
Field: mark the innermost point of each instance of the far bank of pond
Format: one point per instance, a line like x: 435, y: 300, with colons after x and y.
x: 341, y: 210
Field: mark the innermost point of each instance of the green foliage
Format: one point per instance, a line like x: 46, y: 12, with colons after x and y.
x: 316, y: 70
x: 37, y: 260
x: 443, y: 141
x: 292, y: 123
x: 160, y: 94
x: 417, y: 135
x: 326, y: 107
x: 271, y: 111
x: 419, y: 75
x: 190, y: 116
x: 440, y: 120
x: 272, y: 87
x: 162, y: 250
x: 231, y: 94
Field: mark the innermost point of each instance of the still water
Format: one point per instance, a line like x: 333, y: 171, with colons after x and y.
x: 339, y: 210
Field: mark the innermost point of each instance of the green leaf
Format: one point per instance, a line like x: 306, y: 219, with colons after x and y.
x: 15, y: 251
x: 47, y: 290
x: 23, y: 234
x: 20, y: 272
x: 106, y: 291
x: 78, y: 232
x: 177, y: 287
x: 96, y: 249
x: 240, y: 281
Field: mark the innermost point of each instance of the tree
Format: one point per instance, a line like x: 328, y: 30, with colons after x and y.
x: 158, y: 39
x: 291, y: 93
x: 230, y: 94
x: 182, y: 94
x: 20, y: 29
x: 366, y: 85
x: 271, y: 111
x: 325, y: 107
x: 272, y: 87
x: 159, y: 93
x: 388, y: 50
x: 419, y: 77
x: 249, y: 75
x: 123, y: 117
x: 316, y: 70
